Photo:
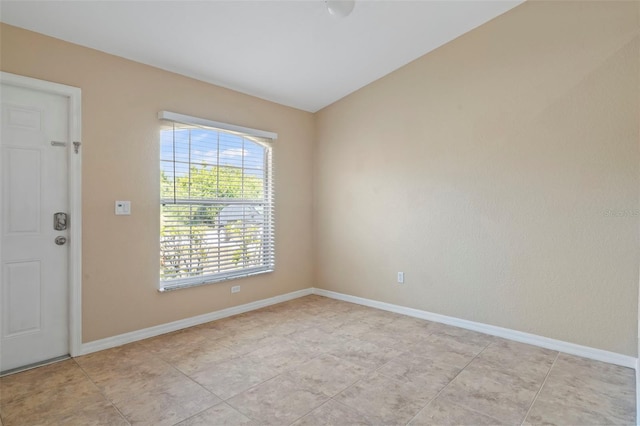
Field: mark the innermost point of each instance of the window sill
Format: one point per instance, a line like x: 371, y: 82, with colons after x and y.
x: 164, y: 288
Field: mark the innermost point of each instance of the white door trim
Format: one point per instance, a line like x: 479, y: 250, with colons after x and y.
x: 74, y: 95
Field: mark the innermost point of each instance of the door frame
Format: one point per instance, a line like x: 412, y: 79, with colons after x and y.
x: 74, y: 173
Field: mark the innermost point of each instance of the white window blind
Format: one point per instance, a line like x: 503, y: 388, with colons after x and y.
x: 216, y: 202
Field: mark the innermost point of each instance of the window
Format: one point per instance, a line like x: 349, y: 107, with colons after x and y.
x: 216, y: 202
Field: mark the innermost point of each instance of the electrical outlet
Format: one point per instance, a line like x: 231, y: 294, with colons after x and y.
x: 235, y: 289
x: 400, y: 277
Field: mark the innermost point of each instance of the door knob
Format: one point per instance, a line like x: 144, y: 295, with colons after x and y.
x: 60, y: 240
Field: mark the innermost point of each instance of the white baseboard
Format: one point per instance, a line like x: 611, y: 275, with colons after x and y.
x: 518, y: 336
x: 145, y: 333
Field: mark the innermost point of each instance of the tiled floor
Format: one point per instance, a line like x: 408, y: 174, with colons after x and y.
x: 315, y: 361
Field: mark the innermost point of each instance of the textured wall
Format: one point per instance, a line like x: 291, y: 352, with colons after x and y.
x: 500, y: 173
x: 120, y: 102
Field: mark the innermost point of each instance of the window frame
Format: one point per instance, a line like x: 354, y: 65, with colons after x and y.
x: 261, y: 137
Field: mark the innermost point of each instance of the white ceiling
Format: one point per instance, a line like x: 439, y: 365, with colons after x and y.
x: 290, y: 52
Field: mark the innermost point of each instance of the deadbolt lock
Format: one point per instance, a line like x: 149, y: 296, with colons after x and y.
x: 60, y: 221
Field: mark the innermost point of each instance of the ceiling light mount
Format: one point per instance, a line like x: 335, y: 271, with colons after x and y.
x: 340, y: 8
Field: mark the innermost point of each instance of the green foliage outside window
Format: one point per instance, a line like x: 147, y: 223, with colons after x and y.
x: 196, y: 239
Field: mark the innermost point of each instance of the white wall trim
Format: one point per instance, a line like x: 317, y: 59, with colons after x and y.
x: 518, y: 336
x: 187, y: 119
x: 74, y: 95
x: 133, y: 336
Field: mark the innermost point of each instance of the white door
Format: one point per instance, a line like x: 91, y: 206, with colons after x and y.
x: 34, y: 181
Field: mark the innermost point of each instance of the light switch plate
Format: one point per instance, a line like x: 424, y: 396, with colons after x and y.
x: 123, y: 207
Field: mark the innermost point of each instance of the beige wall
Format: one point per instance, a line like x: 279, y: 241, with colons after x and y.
x: 485, y: 171
x: 120, y: 100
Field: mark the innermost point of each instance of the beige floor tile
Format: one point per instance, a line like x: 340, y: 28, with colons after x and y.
x: 343, y: 326
x: 590, y: 373
x: 327, y: 374
x: 149, y: 392
x: 283, y: 329
x: 278, y: 401
x: 483, y: 387
x: 245, y: 321
x: 198, y: 356
x: 234, y: 325
x: 249, y: 341
x: 585, y: 392
x: 167, y: 405
x: 108, y: 363
x: 121, y: 380
x: 296, y: 319
x: 431, y: 375
x: 409, y: 332
x: 469, y: 337
x: 519, y: 359
x: 337, y: 306
x: 379, y: 318
x: 405, y: 324
x: 321, y: 310
x: 317, y: 339
x: 55, y: 394
x: 446, y: 413
x: 281, y: 355
x: 365, y: 354
x: 332, y: 413
x: 547, y: 411
x: 381, y: 337
x: 211, y: 331
x: 20, y: 385
x: 166, y: 343
x: 101, y: 413
x: 231, y: 377
x: 386, y: 401
x: 83, y: 413
x: 356, y: 313
x: 446, y: 349
x: 219, y: 415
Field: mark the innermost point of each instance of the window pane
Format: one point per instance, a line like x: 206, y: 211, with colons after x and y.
x: 216, y: 218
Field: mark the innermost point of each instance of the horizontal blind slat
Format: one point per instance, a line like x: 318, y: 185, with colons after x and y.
x: 217, y: 203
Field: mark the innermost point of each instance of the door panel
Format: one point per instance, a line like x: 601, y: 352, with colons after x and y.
x: 23, y: 296
x: 22, y: 172
x: 35, y: 315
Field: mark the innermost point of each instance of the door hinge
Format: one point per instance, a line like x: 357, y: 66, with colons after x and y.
x: 76, y: 146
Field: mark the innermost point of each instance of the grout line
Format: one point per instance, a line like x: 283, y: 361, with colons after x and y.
x: 451, y: 381
x: 251, y: 387
x: 476, y: 411
x: 349, y: 406
x: 208, y: 408
x: 159, y: 358
x: 101, y: 392
x: 367, y: 417
x: 310, y: 411
x: 540, y: 390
